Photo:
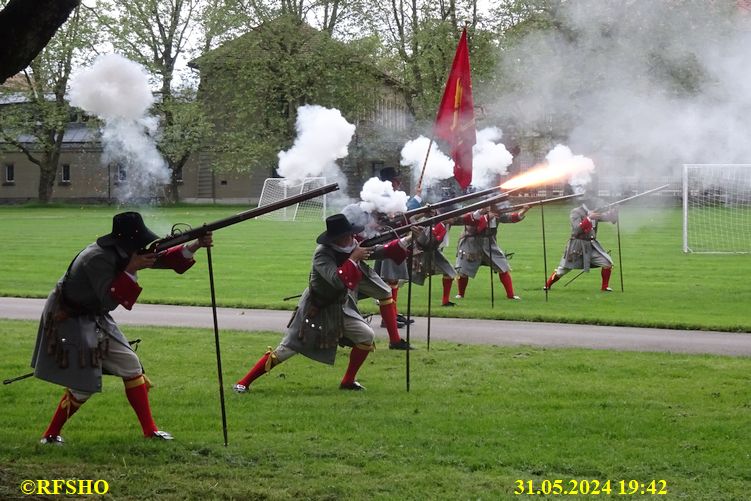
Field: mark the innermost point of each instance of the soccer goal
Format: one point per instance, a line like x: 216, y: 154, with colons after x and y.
x: 278, y: 188
x: 717, y: 208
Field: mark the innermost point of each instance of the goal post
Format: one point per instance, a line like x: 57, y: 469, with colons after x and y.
x: 717, y: 208
x: 279, y: 188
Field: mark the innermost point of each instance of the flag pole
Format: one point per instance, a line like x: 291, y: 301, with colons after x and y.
x: 418, y: 188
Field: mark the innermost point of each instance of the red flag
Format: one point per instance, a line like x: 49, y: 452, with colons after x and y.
x: 455, y: 122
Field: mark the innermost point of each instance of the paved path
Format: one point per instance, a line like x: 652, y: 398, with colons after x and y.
x: 494, y: 332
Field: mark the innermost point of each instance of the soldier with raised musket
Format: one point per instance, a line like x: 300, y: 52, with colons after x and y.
x: 478, y: 246
x: 582, y: 250
x: 78, y: 340
x: 392, y: 272
x: 327, y: 315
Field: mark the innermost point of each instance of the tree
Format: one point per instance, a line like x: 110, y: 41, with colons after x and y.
x: 420, y: 38
x: 340, y: 18
x: 254, y: 85
x: 156, y: 34
x: 26, y: 26
x: 44, y: 113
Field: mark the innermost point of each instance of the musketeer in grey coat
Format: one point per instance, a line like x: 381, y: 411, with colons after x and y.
x: 478, y: 246
x: 78, y: 340
x: 429, y: 259
x: 583, y: 251
x: 327, y: 314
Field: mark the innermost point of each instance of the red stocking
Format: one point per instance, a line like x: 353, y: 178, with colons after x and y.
x: 388, y: 314
x: 605, y: 272
x: 356, y: 359
x: 138, y: 396
x: 447, y: 282
x: 462, y: 284
x: 65, y: 409
x: 507, y: 285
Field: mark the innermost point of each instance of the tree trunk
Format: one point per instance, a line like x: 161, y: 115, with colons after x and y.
x: 47, y: 175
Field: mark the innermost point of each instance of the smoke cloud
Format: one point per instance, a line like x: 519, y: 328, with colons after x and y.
x: 438, y: 167
x: 580, y: 166
x: 323, y: 137
x: 117, y: 90
x: 639, y: 86
x: 380, y: 196
x: 490, y: 158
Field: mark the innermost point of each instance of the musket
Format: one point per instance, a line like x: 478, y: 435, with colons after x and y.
x: 451, y: 201
x: 180, y: 237
x: 177, y: 238
x: 627, y: 199
x: 402, y: 230
x: 512, y: 208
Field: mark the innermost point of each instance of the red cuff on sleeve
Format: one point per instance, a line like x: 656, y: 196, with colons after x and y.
x: 173, y: 259
x: 439, y: 231
x: 482, y: 223
x: 124, y: 290
x: 349, y: 273
x: 515, y: 217
x: 586, y: 225
x: 395, y: 252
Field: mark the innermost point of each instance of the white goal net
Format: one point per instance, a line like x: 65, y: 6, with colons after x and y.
x: 279, y: 188
x: 717, y: 208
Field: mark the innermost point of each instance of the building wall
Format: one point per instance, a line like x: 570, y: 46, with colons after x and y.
x: 89, y: 180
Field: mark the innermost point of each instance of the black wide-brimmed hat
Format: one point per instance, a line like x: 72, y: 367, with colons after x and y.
x: 336, y: 227
x: 128, y: 232
x: 388, y: 174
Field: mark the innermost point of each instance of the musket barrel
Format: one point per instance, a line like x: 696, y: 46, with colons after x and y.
x: 181, y: 238
x: 613, y: 204
x: 539, y: 202
x: 455, y: 200
x: 383, y: 237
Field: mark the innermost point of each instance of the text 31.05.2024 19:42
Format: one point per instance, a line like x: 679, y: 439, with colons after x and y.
x: 574, y: 487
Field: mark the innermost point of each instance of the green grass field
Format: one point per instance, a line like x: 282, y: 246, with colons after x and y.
x: 257, y: 263
x: 478, y: 419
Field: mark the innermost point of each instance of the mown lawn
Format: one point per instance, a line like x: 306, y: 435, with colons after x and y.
x: 476, y: 420
x: 257, y: 263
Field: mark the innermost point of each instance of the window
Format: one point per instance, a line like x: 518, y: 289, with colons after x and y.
x: 65, y: 174
x: 121, y: 174
x: 10, y: 174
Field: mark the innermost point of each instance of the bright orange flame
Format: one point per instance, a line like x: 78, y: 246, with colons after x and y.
x: 546, y: 172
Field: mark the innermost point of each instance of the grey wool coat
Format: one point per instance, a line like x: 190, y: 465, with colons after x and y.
x: 583, y: 244
x: 480, y: 248
x: 428, y: 259
x: 75, y: 331
x: 316, y: 326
